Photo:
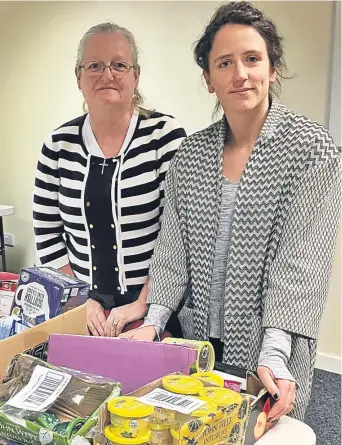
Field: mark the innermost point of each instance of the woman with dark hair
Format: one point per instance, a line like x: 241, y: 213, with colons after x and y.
x: 251, y: 218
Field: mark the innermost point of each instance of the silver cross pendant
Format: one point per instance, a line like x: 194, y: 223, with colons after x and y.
x: 103, y: 165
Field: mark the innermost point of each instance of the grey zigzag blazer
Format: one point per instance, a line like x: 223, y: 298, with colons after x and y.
x: 282, y: 240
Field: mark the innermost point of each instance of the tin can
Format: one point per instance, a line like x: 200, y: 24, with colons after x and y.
x: 205, y: 353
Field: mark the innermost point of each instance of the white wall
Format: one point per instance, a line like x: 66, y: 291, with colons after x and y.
x: 329, y: 352
x: 38, y: 91
x: 334, y: 110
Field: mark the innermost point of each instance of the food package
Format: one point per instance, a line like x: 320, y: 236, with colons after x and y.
x: 59, y: 402
x: 11, y: 325
x: 214, y: 416
x: 180, y: 407
x: 8, y: 286
x: 44, y: 293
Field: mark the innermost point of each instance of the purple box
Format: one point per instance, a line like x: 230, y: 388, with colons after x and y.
x: 132, y: 363
x: 44, y: 293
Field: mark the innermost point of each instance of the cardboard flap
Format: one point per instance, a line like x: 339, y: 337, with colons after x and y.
x: 71, y: 322
x: 133, y: 363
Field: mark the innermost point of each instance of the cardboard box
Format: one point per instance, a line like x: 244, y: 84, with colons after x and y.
x: 132, y: 363
x: 232, y: 425
x: 34, y: 340
x: 44, y: 292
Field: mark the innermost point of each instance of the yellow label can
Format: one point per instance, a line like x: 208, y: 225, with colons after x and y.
x: 210, y: 378
x: 205, y: 353
x: 221, y: 396
x: 160, y: 434
x: 129, y: 417
x: 120, y: 440
x: 182, y: 384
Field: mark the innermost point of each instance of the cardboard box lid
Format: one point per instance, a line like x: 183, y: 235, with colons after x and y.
x: 71, y: 322
x: 132, y: 363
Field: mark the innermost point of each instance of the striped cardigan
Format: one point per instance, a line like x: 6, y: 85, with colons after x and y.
x: 282, y: 239
x: 63, y: 215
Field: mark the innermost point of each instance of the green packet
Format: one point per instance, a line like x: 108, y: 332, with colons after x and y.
x: 28, y: 432
x: 51, y: 421
x: 47, y: 420
x: 69, y: 429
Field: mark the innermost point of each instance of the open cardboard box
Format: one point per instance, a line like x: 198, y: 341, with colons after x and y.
x: 238, y: 424
x: 34, y: 340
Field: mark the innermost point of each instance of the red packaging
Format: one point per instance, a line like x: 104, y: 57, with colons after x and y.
x: 233, y: 385
x: 8, y: 286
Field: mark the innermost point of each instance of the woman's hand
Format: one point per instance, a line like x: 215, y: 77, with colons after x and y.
x: 96, y: 319
x: 67, y: 270
x: 282, y: 391
x: 145, y: 333
x: 123, y: 315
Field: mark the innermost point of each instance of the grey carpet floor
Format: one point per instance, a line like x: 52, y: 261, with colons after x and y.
x: 324, y: 412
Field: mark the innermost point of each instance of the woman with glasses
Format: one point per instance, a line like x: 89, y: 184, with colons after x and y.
x: 99, y: 187
x: 248, y: 237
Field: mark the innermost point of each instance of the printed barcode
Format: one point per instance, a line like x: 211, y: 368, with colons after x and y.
x: 165, y: 399
x: 173, y: 400
x: 43, y: 389
x: 47, y: 387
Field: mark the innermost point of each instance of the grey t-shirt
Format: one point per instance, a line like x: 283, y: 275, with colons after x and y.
x: 216, y: 308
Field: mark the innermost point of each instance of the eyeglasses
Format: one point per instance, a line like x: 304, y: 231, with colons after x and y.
x: 96, y: 68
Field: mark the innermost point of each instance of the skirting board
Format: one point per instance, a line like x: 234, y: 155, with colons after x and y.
x: 331, y: 363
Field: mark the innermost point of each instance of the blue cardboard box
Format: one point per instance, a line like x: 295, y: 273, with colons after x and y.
x: 45, y: 292
x: 11, y: 325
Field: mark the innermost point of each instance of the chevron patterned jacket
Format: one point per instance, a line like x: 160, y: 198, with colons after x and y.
x: 282, y: 239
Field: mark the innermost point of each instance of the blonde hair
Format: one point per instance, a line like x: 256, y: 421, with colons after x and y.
x: 109, y: 27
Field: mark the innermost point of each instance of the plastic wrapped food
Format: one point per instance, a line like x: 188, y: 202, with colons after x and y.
x: 81, y: 396
x: 57, y: 402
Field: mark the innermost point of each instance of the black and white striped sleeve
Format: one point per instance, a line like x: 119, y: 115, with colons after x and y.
x: 48, y: 225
